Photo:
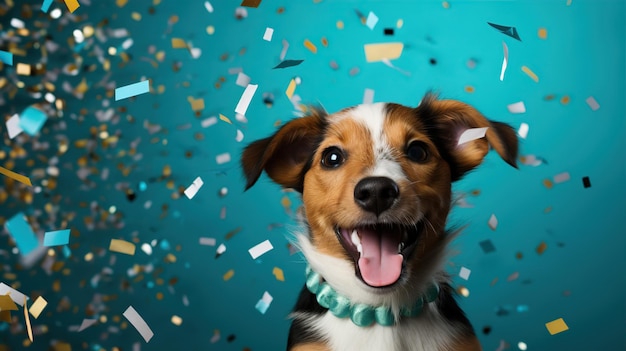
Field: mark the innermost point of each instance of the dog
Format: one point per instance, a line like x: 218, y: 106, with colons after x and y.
x: 375, y: 181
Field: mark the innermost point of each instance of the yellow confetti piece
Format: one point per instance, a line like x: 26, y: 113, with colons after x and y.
x: 548, y: 183
x: 122, y: 246
x: 542, y: 33
x: 340, y: 25
x: 176, y: 320
x: 23, y: 69
x: 325, y: 42
x: 210, y: 30
x: 556, y: 326
x: 29, y: 328
x: 178, y: 43
x: 565, y: 100
x: 229, y: 275
x: 278, y: 273
x: 310, y: 46
x: 530, y: 73
x: 225, y: 119
x: 285, y: 202
x: 121, y: 3
x: 380, y: 51
x: 7, y: 304
x: 196, y: 104
x: 20, y: 178
x: 291, y: 89
x: 72, y: 5
x: 136, y: 16
x: 37, y: 307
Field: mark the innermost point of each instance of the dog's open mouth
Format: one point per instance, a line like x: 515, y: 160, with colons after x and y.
x: 380, y: 251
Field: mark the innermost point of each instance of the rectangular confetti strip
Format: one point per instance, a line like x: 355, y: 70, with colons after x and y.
x: 192, y: 190
x: 593, y: 104
x: 46, y: 5
x: 246, y: 97
x: 20, y: 178
x: 228, y: 275
x: 505, y: 60
x: 206, y: 123
x: 32, y: 120
x: 530, y: 73
x: 37, y: 307
x: 139, y: 323
x: 23, y: 69
x: 264, y: 302
x: 207, y: 241
x: 29, y: 328
x: 56, y: 238
x: 269, y: 32
x: 556, y: 326
x: 222, y: 158
x: 208, y: 6
x: 260, y: 249
x: 251, y: 3
x: 72, y: 5
x: 379, y: 51
x: 15, y: 295
x: 122, y: 246
x: 368, y: 96
x: 242, y: 79
x: 132, y: 90
x: 472, y: 134
x: 13, y: 126
x: 464, y: 273
x: 291, y: 89
x: 523, y: 130
x: 309, y: 45
x: 22, y: 234
x: 493, y: 222
x: 6, y: 57
x: 561, y: 177
x: 517, y: 107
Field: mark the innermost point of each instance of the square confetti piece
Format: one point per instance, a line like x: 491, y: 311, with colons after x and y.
x: 192, y: 190
x: 56, y: 238
x: 586, y: 182
x: 122, y: 246
x: 593, y: 104
x: 371, y: 21
x: 269, y: 32
x: 72, y: 5
x: 487, y: 246
x: 46, y: 5
x: 32, y: 119
x: 6, y: 57
x: 493, y: 222
x: 556, y: 326
x: 465, y: 273
x: 22, y: 234
x: 264, y: 303
x: 13, y: 126
x: 37, y: 307
x: 523, y: 130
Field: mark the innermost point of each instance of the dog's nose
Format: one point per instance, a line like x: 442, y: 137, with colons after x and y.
x: 376, y: 194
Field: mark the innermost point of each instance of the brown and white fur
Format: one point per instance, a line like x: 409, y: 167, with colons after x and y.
x: 383, y: 171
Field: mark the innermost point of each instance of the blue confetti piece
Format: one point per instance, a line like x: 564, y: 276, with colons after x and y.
x: 32, y: 119
x: 143, y: 186
x: 22, y: 234
x: 487, y: 246
x: 132, y: 90
x: 262, y: 306
x: 522, y: 308
x: 6, y: 57
x: 56, y: 238
x: 46, y: 5
x: 165, y: 245
x: 66, y: 251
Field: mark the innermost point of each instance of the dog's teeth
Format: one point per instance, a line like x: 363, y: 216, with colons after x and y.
x: 356, y: 241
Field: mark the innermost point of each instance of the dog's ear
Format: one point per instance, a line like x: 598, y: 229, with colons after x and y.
x: 286, y: 154
x: 446, y: 120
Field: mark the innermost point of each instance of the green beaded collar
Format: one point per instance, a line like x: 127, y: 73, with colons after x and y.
x: 361, y: 314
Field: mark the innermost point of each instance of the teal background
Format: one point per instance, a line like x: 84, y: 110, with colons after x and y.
x: 579, y: 277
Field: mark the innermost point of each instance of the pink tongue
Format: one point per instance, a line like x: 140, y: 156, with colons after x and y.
x: 380, y: 263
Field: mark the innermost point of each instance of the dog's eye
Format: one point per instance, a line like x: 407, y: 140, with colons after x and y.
x: 332, y: 157
x: 417, y: 151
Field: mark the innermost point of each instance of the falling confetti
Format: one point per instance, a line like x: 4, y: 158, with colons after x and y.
x: 556, y: 326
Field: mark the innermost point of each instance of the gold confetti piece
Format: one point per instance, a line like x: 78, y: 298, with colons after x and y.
x: 469, y: 89
x: 542, y: 247
x: 122, y: 246
x: 178, y: 43
x: 380, y: 51
x: 196, y: 104
x: 7, y: 304
x: 542, y: 33
x: 37, y: 307
x: 225, y: 119
x: 72, y: 5
x: 176, y: 320
x: 232, y: 233
x: 291, y: 89
x: 339, y: 24
x: 136, y: 16
x: 530, y: 73
x: 557, y: 326
x: 548, y: 183
x: 325, y: 42
x: 310, y: 46
x: 565, y: 100
x: 285, y: 202
x: 5, y: 316
x: 121, y: 3
x: 20, y: 178
x: 445, y: 4
x: 229, y: 275
x: 29, y: 328
x: 250, y: 3
x: 278, y: 273
x: 23, y: 69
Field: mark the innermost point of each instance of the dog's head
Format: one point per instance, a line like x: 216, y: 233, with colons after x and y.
x: 376, y: 179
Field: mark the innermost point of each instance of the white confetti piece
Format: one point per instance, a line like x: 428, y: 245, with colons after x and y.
x: 283, y: 52
x: 371, y: 21
x: 472, y: 134
x: 368, y: 96
x: 220, y: 249
x: 239, y: 137
x: 135, y: 319
x: 242, y: 79
x: 245, y: 99
x: 523, y: 130
x: 269, y: 32
x: 260, y: 249
x: 222, y: 158
x: 389, y: 64
x: 207, y: 241
x: 15, y: 295
x: 86, y: 324
x: 464, y: 273
x: 591, y: 101
x: 13, y: 126
x: 504, y: 61
x: 561, y: 177
x: 493, y: 222
x: 517, y: 107
x: 531, y: 160
x: 208, y: 122
x: 191, y: 191
x: 146, y: 248
x: 264, y: 302
x: 208, y: 6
